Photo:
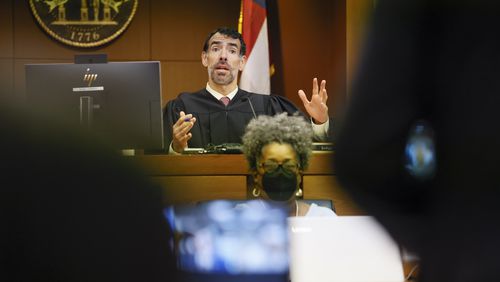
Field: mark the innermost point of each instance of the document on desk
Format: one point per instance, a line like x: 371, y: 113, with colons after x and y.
x: 344, y: 248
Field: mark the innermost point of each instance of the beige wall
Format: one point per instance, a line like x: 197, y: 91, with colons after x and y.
x: 312, y: 38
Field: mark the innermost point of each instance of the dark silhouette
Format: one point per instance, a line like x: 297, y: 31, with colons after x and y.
x: 74, y: 210
x: 436, y: 61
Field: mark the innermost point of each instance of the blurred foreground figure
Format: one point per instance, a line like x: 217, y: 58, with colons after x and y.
x: 436, y: 61
x: 72, y: 210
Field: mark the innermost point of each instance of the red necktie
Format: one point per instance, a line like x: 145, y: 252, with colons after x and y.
x: 225, y: 100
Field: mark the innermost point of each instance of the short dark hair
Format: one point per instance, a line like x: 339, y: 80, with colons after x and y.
x: 231, y: 32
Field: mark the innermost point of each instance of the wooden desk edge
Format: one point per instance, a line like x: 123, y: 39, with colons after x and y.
x: 213, y: 164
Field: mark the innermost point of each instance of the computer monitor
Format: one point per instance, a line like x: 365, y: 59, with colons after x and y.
x: 230, y: 240
x: 120, y: 101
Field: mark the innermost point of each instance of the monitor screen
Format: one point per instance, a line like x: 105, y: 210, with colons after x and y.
x: 224, y: 240
x: 120, y: 101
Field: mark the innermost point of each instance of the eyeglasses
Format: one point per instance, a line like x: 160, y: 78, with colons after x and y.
x: 271, y: 166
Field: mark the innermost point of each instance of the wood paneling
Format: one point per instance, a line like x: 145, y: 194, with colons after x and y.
x: 205, y: 177
x: 6, y: 44
x: 321, y: 163
x: 182, y: 76
x: 184, y: 165
x: 327, y: 187
x: 179, y: 28
x: 336, y: 68
x: 187, y: 189
x: 311, y: 46
x: 6, y: 78
x: 217, y: 164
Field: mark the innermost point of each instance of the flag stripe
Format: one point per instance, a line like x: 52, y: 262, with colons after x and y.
x: 254, y: 15
x: 255, y: 76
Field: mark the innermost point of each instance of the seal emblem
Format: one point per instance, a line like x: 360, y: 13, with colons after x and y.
x: 84, y: 23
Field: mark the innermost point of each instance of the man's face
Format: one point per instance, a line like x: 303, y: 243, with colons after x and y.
x: 222, y: 59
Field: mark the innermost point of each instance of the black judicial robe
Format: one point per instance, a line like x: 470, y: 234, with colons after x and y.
x: 217, y: 124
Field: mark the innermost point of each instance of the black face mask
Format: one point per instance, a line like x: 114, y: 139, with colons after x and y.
x: 279, y: 184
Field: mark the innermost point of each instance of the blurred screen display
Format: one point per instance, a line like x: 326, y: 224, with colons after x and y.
x: 230, y: 237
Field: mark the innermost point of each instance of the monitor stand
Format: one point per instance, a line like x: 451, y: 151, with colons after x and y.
x: 86, y: 111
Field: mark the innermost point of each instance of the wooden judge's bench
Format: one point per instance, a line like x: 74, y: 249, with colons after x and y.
x: 191, y: 178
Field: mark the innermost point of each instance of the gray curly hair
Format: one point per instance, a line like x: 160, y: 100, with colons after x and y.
x: 280, y: 128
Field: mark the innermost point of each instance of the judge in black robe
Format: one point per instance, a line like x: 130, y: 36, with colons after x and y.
x: 217, y: 124
x: 200, y: 119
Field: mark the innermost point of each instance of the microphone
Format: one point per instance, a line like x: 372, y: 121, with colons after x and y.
x: 251, y: 105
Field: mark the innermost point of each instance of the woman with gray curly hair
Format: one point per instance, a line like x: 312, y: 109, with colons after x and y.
x: 278, y: 149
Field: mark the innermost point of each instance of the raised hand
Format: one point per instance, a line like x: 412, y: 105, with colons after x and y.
x: 316, y: 108
x: 180, y: 130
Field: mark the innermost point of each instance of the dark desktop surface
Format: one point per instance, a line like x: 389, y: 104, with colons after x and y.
x: 236, y: 148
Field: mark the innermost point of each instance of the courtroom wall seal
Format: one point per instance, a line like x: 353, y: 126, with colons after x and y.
x: 84, y: 23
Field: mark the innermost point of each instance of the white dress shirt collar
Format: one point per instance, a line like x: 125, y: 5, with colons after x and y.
x: 217, y: 95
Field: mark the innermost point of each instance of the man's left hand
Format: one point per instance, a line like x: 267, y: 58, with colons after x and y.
x: 316, y: 108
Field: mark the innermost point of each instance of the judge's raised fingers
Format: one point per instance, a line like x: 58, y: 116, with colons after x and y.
x: 303, y: 97
x: 184, y: 118
x: 323, y: 85
x: 323, y: 93
x: 183, y: 128
x: 315, y: 86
